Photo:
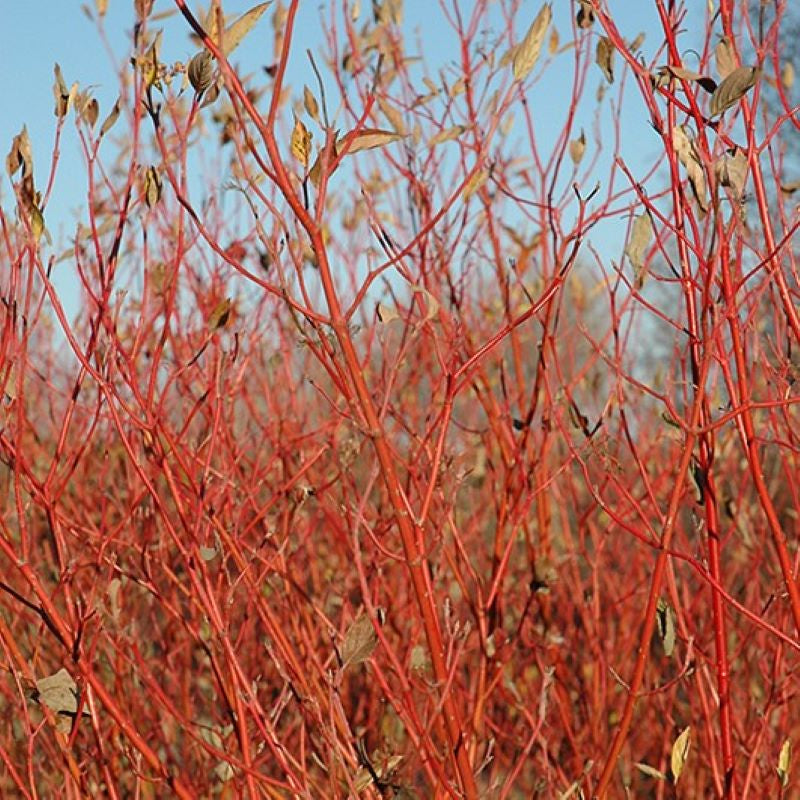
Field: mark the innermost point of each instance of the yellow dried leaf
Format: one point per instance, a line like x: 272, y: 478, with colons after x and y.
x: 527, y: 54
x: 90, y: 112
x: 651, y: 772
x: 101, y: 6
x: 637, y: 42
x: 149, y: 64
x: 20, y: 154
x: 577, y: 147
x: 475, y: 183
x: 552, y: 44
x: 790, y: 188
x: 787, y: 75
x: 680, y: 752
x: 432, y: 303
x: 604, y: 56
x: 432, y: 87
x: 447, y: 135
x: 109, y: 121
x: 310, y: 103
x: 232, y: 35
x: 639, y: 241
x: 301, y: 142
x: 220, y: 315
x: 386, y: 314
x: 37, y: 222
x: 785, y: 762
x: 366, y: 139
x: 60, y: 93
x: 152, y: 187
x: 393, y: 115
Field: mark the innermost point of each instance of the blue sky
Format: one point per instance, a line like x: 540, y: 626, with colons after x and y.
x: 37, y: 33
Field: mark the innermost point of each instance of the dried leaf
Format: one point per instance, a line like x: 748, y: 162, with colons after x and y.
x: 637, y: 42
x: 785, y: 762
x: 359, y: 643
x: 733, y: 88
x: 220, y: 316
x: 90, y: 112
x: 447, y: 135
x: 680, y: 752
x: 20, y: 154
x: 224, y: 771
x: 585, y: 15
x: 790, y: 188
x: 366, y: 139
x: 432, y: 87
x: 101, y: 6
x: 201, y: 71
x: 552, y: 45
x: 651, y: 772
x: 787, y: 75
x: 687, y: 154
x: 109, y: 121
x: 355, y: 141
x: 152, y: 187
x: 149, y: 64
x: 143, y: 8
x: 59, y: 693
x: 37, y: 221
x: 212, y: 93
x: 665, y: 619
x: 208, y: 553
x: 393, y: 115
x: 114, y: 605
x: 432, y: 302
x: 577, y: 147
x: 527, y: 54
x: 724, y: 58
x: 386, y: 314
x: 639, y: 242
x: 604, y: 56
x: 475, y: 183
x: 234, y: 33
x: 301, y: 142
x: 731, y: 169
x: 310, y: 103
x: 457, y: 88
x: 60, y: 93
x: 707, y: 83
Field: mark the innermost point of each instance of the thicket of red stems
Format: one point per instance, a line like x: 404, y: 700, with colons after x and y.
x: 452, y: 500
